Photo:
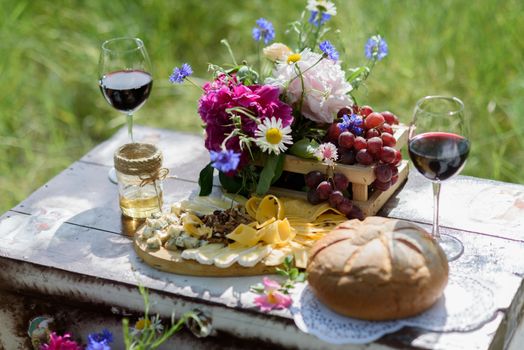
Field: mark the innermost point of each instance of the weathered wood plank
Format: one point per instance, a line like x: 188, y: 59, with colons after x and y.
x: 98, y: 266
x: 466, y: 203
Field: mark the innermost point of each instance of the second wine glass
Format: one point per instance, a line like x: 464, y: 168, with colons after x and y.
x: 125, y: 76
x: 438, y: 146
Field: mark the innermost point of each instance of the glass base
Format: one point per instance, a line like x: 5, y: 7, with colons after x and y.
x: 111, y: 174
x: 451, y: 246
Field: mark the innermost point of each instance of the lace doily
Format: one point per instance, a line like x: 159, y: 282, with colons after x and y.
x: 467, y: 303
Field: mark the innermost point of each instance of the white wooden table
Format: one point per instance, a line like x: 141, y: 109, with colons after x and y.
x: 66, y: 250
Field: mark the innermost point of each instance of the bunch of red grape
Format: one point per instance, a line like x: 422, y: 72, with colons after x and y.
x: 367, y: 139
x: 332, y: 189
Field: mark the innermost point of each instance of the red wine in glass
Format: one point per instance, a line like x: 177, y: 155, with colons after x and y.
x: 438, y: 155
x: 126, y: 90
x: 125, y: 78
x: 438, y: 146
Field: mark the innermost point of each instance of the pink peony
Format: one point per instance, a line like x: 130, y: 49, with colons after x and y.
x: 227, y: 92
x: 57, y: 342
x: 325, y: 86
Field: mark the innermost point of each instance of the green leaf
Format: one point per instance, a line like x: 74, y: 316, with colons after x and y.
x: 304, y: 148
x: 287, y: 261
x: 293, y: 273
x: 267, y: 174
x: 356, y: 73
x: 231, y: 184
x: 205, y: 180
x: 279, y: 167
x: 301, y: 277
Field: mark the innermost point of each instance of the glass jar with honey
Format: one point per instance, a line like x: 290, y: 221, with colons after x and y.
x: 139, y: 173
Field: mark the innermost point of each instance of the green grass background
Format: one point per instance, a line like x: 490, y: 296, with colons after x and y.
x: 51, y: 111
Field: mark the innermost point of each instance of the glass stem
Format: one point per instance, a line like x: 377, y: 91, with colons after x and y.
x: 436, y: 195
x: 130, y: 127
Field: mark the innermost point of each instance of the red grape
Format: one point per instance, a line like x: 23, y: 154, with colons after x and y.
x: 346, y: 156
x: 333, y: 133
x: 374, y: 120
x: 374, y: 145
x: 345, y: 206
x: 313, y: 178
x: 386, y: 128
x: 356, y: 109
x: 312, y: 197
x: 390, y: 117
x: 344, y: 111
x: 382, y: 186
x: 335, y: 198
x: 394, y: 179
x: 324, y: 189
x: 398, y: 157
x: 340, y: 181
x: 388, y: 139
x: 387, y: 155
x: 356, y: 213
x: 394, y: 170
x: 383, y: 172
x: 372, y: 133
x: 346, y: 139
x: 360, y: 143
x: 365, y: 111
x: 364, y: 157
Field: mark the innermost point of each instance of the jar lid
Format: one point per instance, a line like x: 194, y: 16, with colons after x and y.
x: 138, y: 159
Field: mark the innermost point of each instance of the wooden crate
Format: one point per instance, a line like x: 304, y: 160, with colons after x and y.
x: 360, y: 176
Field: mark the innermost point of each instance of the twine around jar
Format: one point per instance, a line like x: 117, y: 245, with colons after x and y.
x: 138, y: 159
x: 143, y: 160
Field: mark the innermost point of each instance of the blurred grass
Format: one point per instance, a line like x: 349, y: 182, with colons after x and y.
x: 52, y: 112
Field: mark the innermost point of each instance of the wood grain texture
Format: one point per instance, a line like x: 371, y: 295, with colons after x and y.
x: 171, y: 261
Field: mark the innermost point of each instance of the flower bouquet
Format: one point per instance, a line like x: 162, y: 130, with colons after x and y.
x: 295, y: 104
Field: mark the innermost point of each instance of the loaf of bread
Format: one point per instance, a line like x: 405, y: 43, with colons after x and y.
x: 377, y: 269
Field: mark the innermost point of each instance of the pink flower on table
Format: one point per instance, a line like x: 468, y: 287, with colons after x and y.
x: 272, y: 297
x: 57, y: 342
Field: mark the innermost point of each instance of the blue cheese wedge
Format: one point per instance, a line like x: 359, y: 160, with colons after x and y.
x: 154, y: 243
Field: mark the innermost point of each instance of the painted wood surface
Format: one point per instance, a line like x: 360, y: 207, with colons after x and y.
x: 68, y: 240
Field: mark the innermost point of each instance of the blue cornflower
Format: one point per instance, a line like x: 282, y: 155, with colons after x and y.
x: 376, y: 48
x: 329, y: 50
x: 99, y: 341
x: 225, y: 160
x: 179, y: 74
x: 319, y: 19
x: 264, y: 31
x: 352, y: 123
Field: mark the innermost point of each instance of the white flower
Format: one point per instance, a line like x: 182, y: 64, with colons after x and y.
x: 272, y: 137
x: 327, y: 153
x: 324, y: 6
x: 154, y: 323
x: 277, y: 52
x: 325, y: 86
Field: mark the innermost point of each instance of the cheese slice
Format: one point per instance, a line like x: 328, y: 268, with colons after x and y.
x: 191, y: 254
x: 254, y: 256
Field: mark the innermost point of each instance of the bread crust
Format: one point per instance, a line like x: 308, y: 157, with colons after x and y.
x: 378, y: 269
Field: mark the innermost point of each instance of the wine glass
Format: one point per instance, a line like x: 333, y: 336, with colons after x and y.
x: 438, y: 147
x: 125, y: 78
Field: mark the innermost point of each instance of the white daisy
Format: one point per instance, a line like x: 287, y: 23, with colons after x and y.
x: 323, y: 6
x: 272, y: 137
x: 327, y: 153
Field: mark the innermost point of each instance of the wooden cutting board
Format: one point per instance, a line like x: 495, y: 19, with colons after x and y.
x: 171, y: 261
